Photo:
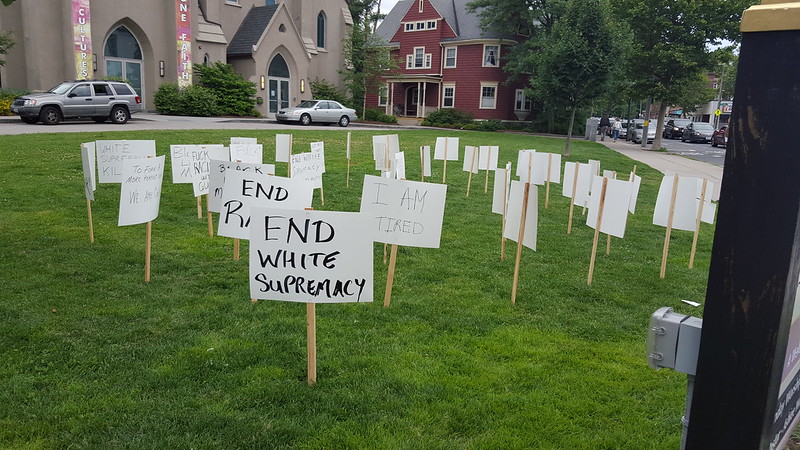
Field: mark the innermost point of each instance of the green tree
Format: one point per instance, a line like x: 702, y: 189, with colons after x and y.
x: 6, y: 42
x: 574, y: 66
x: 673, y: 44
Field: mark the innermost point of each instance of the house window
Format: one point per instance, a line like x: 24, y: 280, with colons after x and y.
x: 431, y: 24
x: 488, y: 95
x: 420, y: 25
x: 521, y: 101
x: 450, y: 57
x: 448, y: 96
x: 321, y: 29
x: 419, y: 57
x: 410, y: 26
x: 383, y: 95
x: 419, y: 60
x: 420, y: 5
x: 491, y: 56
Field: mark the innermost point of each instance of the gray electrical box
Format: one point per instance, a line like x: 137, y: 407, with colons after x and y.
x: 591, y: 128
x: 673, y: 341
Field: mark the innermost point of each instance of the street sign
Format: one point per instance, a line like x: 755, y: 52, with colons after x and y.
x: 717, y: 112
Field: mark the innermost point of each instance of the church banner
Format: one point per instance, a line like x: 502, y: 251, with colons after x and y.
x: 183, y: 35
x: 82, y: 39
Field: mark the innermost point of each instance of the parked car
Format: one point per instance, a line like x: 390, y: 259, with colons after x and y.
x: 99, y: 99
x: 697, y: 132
x: 720, y: 137
x: 673, y: 129
x: 322, y: 111
x: 638, y: 131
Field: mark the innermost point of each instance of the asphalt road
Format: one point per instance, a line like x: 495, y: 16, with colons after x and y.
x: 698, y: 151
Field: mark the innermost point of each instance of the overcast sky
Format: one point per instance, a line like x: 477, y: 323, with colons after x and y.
x: 387, y: 5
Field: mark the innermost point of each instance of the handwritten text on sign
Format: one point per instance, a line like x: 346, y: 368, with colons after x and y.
x: 404, y: 212
x: 308, y: 167
x: 216, y: 179
x: 111, y: 154
x: 244, y: 190
x: 141, y: 190
x: 310, y: 256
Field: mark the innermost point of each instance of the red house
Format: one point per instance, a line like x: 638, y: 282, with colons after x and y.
x: 447, y: 61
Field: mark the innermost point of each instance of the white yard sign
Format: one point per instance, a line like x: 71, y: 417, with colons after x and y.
x: 470, y: 159
x: 112, y: 154
x: 400, y: 165
x: 404, y: 212
x: 487, y: 158
x: 685, y: 214
x: 615, y: 206
x: 308, y: 167
x: 502, y: 184
x: 243, y: 140
x: 244, y: 190
x: 425, y: 156
x: 141, y: 190
x: 310, y: 256
x: 216, y: 178
x: 88, y: 163
x: 249, y: 153
x: 283, y: 147
x: 446, y: 149
x: 582, y: 184
x: 202, y: 155
x: 514, y: 214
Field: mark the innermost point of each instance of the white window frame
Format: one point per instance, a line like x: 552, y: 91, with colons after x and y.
x: 411, y: 60
x: 525, y: 105
x: 496, y: 57
x: 409, y: 26
x: 420, y: 26
x: 486, y: 85
x: 455, y: 57
x: 445, y: 87
x: 383, y: 95
x: 431, y: 24
x: 421, y: 3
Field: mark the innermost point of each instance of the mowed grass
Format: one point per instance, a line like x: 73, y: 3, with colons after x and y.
x: 94, y: 357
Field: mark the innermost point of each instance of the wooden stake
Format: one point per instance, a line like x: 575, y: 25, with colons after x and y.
x: 471, y: 168
x: 669, y: 226
x: 322, y: 193
x: 384, y: 253
x: 521, y: 237
x: 608, y: 244
x: 210, y: 218
x: 147, y: 251
x: 505, y: 210
x: 91, y: 222
x: 572, y: 200
x: 199, y: 207
x: 697, y: 223
x: 348, y: 159
x: 597, y: 230
x: 390, y: 277
x: 235, y: 249
x: 311, y: 331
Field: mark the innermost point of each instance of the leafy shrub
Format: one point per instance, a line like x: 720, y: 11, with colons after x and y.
x: 322, y: 90
x: 377, y: 115
x: 169, y: 99
x: 199, y: 101
x: 7, y: 97
x: 448, y: 118
x: 235, y: 95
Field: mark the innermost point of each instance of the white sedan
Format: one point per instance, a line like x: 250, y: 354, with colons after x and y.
x: 317, y: 111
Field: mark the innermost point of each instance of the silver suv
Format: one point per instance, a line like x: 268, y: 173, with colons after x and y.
x: 100, y: 100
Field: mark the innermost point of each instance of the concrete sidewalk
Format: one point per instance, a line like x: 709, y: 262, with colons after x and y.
x: 668, y: 164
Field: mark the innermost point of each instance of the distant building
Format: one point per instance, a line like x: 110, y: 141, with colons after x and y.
x: 278, y: 45
x: 447, y: 61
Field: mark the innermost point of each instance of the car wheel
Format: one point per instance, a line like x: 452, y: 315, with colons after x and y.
x: 99, y: 119
x: 305, y: 120
x: 119, y: 115
x: 713, y: 144
x: 683, y: 139
x: 50, y: 115
x: 344, y: 121
x: 30, y: 119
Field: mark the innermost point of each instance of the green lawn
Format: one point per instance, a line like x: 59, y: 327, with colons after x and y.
x: 92, y: 356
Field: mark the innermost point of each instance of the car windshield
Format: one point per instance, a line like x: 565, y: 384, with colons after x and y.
x: 703, y: 126
x: 61, y: 88
x: 307, y: 104
x: 681, y: 122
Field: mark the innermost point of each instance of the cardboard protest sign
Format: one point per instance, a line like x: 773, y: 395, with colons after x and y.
x: 594, y: 166
x: 400, y: 165
x: 384, y: 147
x: 581, y: 183
x: 425, y: 156
x: 610, y: 174
x: 487, y: 158
x: 249, y: 153
x: 111, y: 154
x: 216, y: 178
x: 244, y: 190
x: 310, y: 256
x: 181, y: 162
x: 318, y: 148
x: 685, y: 207
x: 88, y: 163
x: 404, y: 212
x: 514, y: 214
x: 502, y: 184
x: 615, y: 206
x: 446, y: 149
x: 308, y: 167
x: 141, y: 190
x: 243, y: 140
x: 546, y: 168
x: 637, y: 182
x: 524, y: 160
x: 201, y: 157
x: 283, y: 147
x: 470, y: 159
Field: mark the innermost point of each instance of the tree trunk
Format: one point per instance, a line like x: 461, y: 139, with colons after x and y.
x: 662, y: 110
x: 569, y: 131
